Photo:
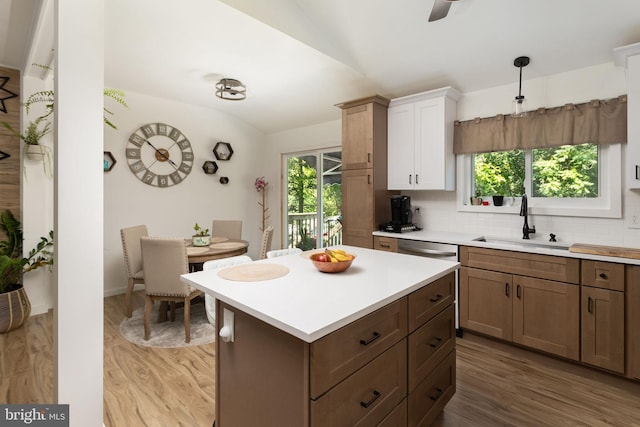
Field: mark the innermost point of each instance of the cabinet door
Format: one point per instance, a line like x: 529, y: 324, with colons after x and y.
x: 357, y: 137
x: 632, y: 310
x: 603, y: 328
x: 358, y: 208
x: 546, y: 316
x: 401, y: 143
x: 430, y: 145
x: 633, y: 127
x: 485, y: 302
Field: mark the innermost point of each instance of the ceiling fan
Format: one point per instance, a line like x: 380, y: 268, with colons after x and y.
x: 440, y: 9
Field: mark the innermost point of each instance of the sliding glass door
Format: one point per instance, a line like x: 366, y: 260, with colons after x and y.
x: 313, y: 185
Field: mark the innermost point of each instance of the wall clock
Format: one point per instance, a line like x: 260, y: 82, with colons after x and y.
x: 159, y: 155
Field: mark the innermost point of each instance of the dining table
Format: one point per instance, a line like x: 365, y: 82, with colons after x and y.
x: 220, y: 247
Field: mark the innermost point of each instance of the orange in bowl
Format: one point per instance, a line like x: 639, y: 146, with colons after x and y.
x: 328, y: 266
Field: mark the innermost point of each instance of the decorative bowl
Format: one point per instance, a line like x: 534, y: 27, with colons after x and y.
x: 331, y: 267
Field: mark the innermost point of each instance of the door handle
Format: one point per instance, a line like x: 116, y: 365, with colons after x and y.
x: 416, y: 179
x: 409, y: 178
x: 518, y: 291
x: 506, y: 289
x: 590, y: 305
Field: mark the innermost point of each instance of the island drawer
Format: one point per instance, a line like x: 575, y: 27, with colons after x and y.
x: 430, y: 300
x: 429, y: 398
x: 367, y: 396
x: 339, y: 354
x: 605, y: 275
x: 397, y: 418
x: 388, y: 244
x: 429, y: 345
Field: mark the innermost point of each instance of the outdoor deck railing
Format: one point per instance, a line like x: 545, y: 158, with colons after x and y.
x: 302, y: 231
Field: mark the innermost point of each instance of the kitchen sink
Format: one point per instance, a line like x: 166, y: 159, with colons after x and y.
x: 524, y: 243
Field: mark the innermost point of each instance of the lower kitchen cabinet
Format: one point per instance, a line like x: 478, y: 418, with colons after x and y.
x: 633, y: 321
x: 603, y: 315
x: 485, y: 302
x: 546, y: 316
x: 516, y: 301
x: 603, y: 328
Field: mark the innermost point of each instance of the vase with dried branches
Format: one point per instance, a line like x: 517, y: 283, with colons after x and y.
x: 261, y: 187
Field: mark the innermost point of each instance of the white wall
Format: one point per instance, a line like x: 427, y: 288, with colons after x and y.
x: 199, y: 198
x: 438, y: 208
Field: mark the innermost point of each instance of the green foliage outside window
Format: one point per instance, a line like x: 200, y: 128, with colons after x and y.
x: 567, y: 171
x: 301, y: 194
x: 499, y: 173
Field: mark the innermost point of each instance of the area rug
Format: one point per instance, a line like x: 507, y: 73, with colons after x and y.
x: 169, y: 334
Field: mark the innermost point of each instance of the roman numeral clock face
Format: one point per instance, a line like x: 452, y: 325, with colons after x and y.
x: 159, y: 155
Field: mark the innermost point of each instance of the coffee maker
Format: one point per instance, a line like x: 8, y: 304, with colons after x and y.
x: 401, y: 215
x: 401, y: 210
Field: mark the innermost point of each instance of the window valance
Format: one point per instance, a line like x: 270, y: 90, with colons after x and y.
x: 597, y: 121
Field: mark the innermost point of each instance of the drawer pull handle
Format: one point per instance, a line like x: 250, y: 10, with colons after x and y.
x: 590, y: 305
x: 436, y: 342
x: 370, y: 340
x: 437, y: 395
x: 603, y: 275
x: 376, y: 395
x: 438, y: 297
x: 385, y: 245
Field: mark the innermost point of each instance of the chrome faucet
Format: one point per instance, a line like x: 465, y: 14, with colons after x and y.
x: 524, y: 207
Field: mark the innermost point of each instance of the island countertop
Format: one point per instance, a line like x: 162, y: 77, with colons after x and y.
x: 309, y: 304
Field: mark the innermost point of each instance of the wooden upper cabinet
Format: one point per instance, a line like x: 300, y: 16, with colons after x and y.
x: 364, y: 133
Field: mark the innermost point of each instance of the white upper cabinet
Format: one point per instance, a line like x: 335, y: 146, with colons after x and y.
x: 420, y: 141
x: 629, y: 57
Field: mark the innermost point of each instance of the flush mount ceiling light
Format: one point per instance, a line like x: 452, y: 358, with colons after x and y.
x: 231, y: 89
x: 519, y: 110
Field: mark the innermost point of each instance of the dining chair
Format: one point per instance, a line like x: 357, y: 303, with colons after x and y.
x: 267, y: 235
x: 210, y: 301
x: 231, y: 229
x: 132, y: 260
x: 282, y: 252
x: 164, y: 260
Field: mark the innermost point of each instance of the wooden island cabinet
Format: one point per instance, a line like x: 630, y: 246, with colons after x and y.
x: 373, y: 346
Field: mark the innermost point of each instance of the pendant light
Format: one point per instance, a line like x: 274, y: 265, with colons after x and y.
x: 231, y: 89
x: 519, y: 103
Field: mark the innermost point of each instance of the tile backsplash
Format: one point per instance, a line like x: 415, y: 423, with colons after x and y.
x: 437, y: 211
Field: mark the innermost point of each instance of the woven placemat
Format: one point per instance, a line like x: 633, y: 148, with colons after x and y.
x: 227, y: 245
x: 253, y: 272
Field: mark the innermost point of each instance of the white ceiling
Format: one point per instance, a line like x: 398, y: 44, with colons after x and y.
x: 298, y: 58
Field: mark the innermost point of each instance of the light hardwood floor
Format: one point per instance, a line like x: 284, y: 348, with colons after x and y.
x: 498, y: 385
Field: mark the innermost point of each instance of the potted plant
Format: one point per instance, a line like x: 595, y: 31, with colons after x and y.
x: 32, y: 149
x: 202, y: 237
x: 14, y: 303
x: 477, y: 200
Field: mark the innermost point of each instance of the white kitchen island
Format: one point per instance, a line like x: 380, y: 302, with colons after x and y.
x: 374, y: 345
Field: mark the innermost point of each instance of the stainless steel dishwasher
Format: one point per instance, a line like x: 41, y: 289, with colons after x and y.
x: 443, y: 251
